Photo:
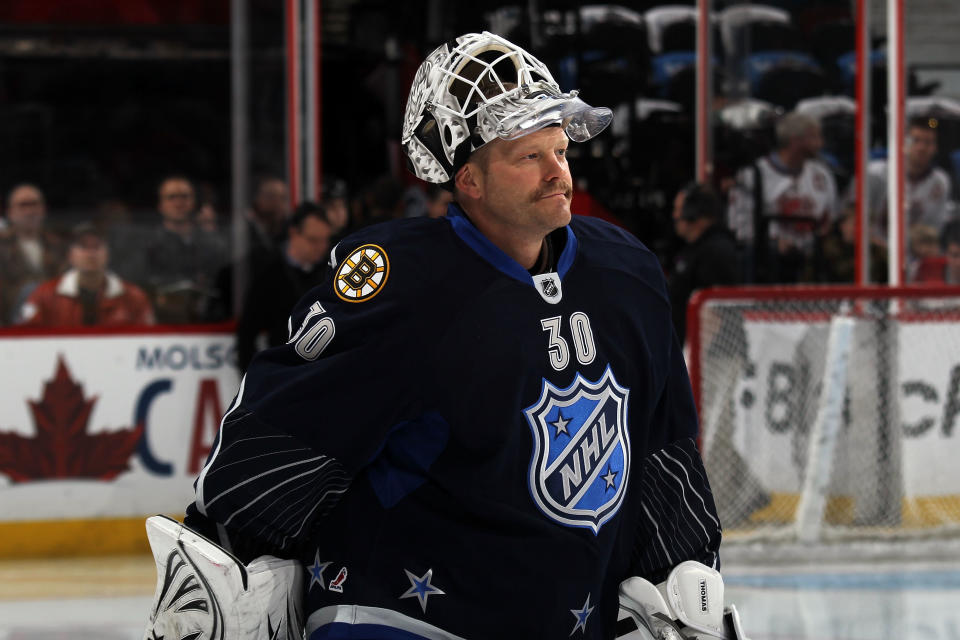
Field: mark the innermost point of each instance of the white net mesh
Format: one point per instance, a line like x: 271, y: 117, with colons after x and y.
x: 830, y: 414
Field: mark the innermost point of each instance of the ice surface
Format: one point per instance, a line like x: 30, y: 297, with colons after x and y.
x: 900, y: 601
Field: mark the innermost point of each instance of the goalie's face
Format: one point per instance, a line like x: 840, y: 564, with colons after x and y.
x: 522, y: 186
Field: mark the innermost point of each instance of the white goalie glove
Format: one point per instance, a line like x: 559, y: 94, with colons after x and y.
x: 205, y: 593
x: 688, y: 606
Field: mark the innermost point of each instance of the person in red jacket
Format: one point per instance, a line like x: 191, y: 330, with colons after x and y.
x: 88, y: 293
x: 943, y: 269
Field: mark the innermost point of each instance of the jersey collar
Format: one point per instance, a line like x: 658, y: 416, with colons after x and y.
x: 482, y: 246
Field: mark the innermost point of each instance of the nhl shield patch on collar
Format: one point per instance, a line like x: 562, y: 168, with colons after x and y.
x: 581, y: 451
x: 548, y: 286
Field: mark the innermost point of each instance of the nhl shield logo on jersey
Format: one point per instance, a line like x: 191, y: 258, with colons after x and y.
x: 548, y: 286
x: 362, y: 274
x: 581, y: 451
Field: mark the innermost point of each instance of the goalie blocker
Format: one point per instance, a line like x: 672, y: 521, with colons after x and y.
x: 689, y: 605
x: 205, y: 593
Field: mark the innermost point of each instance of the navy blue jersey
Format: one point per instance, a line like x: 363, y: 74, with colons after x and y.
x: 459, y: 449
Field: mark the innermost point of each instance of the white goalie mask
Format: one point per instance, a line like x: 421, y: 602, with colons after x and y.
x: 480, y: 87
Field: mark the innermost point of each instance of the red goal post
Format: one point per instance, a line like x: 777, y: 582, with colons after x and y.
x: 829, y: 414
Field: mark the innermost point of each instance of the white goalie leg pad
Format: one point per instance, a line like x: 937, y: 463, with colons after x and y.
x: 205, y: 593
x: 688, y: 605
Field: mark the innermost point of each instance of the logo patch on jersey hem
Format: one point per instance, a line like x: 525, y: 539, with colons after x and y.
x: 337, y: 583
x: 581, y: 451
x: 362, y: 274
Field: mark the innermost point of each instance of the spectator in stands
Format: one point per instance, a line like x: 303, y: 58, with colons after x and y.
x: 835, y: 256
x: 923, y: 246
x: 943, y: 269
x: 29, y: 252
x: 206, y: 217
x: 335, y: 202
x: 267, y: 217
x: 437, y: 200
x: 709, y: 257
x: 282, y: 280
x: 180, y: 260
x: 779, y: 204
x: 382, y: 201
x: 426, y: 201
x: 927, y: 186
x: 414, y: 199
x: 88, y: 294
x: 951, y: 249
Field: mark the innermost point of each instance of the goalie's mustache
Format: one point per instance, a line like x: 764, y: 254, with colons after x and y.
x: 562, y: 187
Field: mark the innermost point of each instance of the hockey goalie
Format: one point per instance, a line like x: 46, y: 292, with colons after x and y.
x: 481, y: 426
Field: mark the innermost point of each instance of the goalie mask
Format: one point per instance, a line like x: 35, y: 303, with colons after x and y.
x: 480, y: 87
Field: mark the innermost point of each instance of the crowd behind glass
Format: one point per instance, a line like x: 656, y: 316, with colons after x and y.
x: 791, y: 221
x: 778, y: 209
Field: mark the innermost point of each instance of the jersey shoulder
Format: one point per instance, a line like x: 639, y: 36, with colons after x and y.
x: 594, y: 234
x: 603, y: 245
x: 404, y: 236
x: 596, y: 230
x: 397, y: 256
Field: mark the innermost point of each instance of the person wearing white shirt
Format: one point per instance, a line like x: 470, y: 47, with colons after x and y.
x: 780, y: 203
x: 927, y: 186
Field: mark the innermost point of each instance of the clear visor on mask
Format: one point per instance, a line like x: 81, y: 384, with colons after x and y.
x: 523, y: 114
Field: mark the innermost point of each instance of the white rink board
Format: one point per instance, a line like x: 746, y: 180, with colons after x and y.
x: 764, y: 425
x: 928, y: 363
x: 928, y: 384
x: 179, y: 384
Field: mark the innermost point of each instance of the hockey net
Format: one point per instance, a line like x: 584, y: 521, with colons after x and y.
x: 830, y: 417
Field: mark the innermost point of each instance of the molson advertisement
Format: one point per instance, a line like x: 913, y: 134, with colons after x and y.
x: 99, y: 431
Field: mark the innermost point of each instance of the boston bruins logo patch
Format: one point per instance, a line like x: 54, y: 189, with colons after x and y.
x: 362, y: 274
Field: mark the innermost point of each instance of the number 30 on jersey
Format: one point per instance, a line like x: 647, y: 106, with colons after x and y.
x: 315, y: 333
x: 584, y: 346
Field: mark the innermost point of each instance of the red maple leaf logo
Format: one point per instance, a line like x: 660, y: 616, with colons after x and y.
x: 62, y: 447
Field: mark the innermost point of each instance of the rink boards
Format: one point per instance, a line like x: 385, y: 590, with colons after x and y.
x: 99, y: 431
x: 900, y: 417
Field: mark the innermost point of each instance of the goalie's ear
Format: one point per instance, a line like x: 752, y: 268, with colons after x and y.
x: 203, y: 592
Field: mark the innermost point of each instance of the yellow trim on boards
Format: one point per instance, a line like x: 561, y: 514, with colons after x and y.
x: 93, y: 537
x: 930, y: 511
x: 916, y: 512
